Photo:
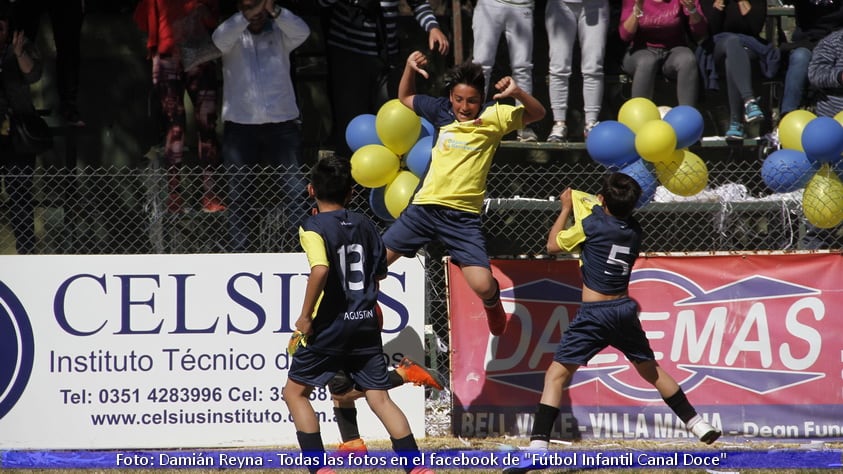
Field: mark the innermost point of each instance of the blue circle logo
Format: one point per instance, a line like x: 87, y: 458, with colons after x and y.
x: 17, y: 349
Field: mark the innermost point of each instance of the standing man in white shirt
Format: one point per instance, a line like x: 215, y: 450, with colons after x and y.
x: 260, y: 114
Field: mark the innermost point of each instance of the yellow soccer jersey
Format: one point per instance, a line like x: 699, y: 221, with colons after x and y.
x: 570, y: 239
x: 461, y: 158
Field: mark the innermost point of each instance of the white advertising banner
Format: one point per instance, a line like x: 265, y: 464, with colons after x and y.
x: 169, y: 351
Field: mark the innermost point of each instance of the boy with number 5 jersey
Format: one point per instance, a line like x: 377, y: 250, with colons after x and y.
x: 608, y: 239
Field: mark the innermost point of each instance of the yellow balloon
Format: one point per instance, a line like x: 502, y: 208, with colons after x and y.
x: 791, y: 126
x: 374, y: 166
x: 637, y: 111
x: 398, y: 193
x: 839, y: 117
x: 397, y: 126
x: 686, y: 176
x: 822, y: 200
x: 655, y: 141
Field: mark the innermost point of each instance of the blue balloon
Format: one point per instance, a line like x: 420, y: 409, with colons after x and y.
x: 427, y: 128
x: 419, y: 156
x: 688, y: 124
x: 786, y: 170
x: 639, y: 171
x: 611, y: 144
x: 822, y: 140
x: 378, y: 204
x: 361, y: 131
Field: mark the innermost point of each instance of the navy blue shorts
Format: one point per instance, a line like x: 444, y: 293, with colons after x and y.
x: 459, y: 231
x: 316, y: 369
x: 606, y: 323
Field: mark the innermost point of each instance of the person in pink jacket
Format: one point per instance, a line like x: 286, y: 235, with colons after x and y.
x: 167, y: 24
x: 656, y: 33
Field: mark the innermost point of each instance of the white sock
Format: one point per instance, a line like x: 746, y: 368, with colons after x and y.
x: 693, y: 421
x: 539, y: 445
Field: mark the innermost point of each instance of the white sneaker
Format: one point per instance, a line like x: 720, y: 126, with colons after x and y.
x: 705, y: 432
x: 527, y: 134
x: 558, y: 133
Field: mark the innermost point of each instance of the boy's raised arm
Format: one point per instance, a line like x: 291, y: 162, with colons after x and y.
x: 533, y: 109
x: 407, y: 87
x: 566, y: 204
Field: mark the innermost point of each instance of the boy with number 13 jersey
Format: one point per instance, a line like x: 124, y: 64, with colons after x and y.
x: 338, y: 317
x: 348, y: 243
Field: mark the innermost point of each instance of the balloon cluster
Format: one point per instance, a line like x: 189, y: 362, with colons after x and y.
x: 391, y: 151
x: 652, y: 148
x: 810, y: 154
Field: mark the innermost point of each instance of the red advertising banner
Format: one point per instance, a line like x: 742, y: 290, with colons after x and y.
x: 755, y: 341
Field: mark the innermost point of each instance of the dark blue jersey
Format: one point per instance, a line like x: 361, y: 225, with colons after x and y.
x: 608, y: 248
x: 348, y: 243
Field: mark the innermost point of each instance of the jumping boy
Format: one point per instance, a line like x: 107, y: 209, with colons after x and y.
x: 608, y: 239
x: 449, y: 201
x: 338, y: 319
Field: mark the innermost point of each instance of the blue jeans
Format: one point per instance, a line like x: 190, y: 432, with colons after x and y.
x: 736, y: 62
x: 245, y: 148
x: 795, y: 79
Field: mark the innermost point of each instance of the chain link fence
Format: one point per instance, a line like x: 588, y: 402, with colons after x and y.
x: 128, y: 211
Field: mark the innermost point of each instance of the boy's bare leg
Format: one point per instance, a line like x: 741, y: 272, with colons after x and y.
x: 296, y: 395
x: 388, y: 413
x: 556, y: 380
x: 652, y: 372
x: 481, y: 281
x: 675, y: 398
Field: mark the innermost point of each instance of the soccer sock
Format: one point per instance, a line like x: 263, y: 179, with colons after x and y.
x: 311, y: 445
x: 542, y: 424
x: 680, y: 405
x: 406, y: 449
x: 395, y: 379
x: 347, y: 423
x: 495, y: 298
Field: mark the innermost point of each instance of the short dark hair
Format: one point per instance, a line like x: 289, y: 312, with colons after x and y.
x: 620, y: 194
x: 467, y: 73
x: 331, y: 179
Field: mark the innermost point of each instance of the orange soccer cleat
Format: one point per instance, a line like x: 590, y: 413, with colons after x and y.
x: 417, y: 374
x: 356, y: 445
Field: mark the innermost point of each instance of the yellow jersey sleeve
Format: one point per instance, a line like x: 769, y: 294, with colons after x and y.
x: 314, y: 247
x: 570, y: 239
